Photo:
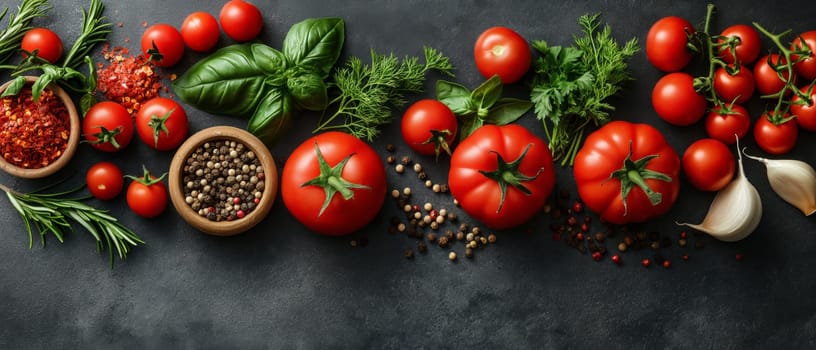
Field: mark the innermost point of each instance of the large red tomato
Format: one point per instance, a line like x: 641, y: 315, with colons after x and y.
x: 666, y: 44
x: 503, y: 52
x: 627, y: 172
x: 333, y: 183
x: 501, y: 175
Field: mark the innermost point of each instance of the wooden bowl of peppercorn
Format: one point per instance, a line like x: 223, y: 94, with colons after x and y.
x: 223, y: 180
x: 39, y: 138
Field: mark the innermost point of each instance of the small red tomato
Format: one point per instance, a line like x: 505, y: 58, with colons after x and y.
x: 737, y: 88
x: 675, y: 100
x: 147, y: 195
x: 107, y: 126
x: 776, y: 137
x: 748, y: 48
x: 708, y: 165
x: 163, y: 44
x: 162, y: 123
x: 723, y: 125
x: 767, y: 80
x: 47, y: 44
x: 429, y: 127
x: 805, y: 113
x: 200, y: 31
x: 666, y: 44
x: 241, y: 20
x: 807, y: 67
x: 104, y: 180
x: 503, y: 52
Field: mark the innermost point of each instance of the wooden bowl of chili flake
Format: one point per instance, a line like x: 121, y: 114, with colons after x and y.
x: 38, y: 138
x: 223, y: 180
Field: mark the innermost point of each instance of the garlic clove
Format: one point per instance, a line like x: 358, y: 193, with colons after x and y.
x: 793, y: 180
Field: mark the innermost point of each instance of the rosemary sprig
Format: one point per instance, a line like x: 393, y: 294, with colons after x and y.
x: 19, y: 24
x: 53, y: 213
x: 94, y: 30
x: 368, y: 92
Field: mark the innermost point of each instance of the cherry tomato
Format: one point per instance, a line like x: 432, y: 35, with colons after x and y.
x: 163, y: 44
x: 736, y: 88
x: 107, y: 126
x: 805, y: 113
x: 666, y: 44
x: 162, y: 123
x: 675, y: 100
x: 501, y: 175
x: 429, y: 127
x: 775, y: 138
x: 105, y: 180
x: 241, y: 20
x: 748, y: 48
x: 708, y: 164
x: 47, y: 44
x: 147, y: 195
x: 333, y: 183
x: 767, y: 81
x: 723, y: 126
x: 502, y: 51
x: 200, y: 31
x: 807, y: 67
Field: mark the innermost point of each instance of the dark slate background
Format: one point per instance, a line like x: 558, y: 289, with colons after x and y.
x: 280, y: 286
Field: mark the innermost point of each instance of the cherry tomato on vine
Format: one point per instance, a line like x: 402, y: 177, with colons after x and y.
x: 723, y: 126
x: 767, y: 80
x: 163, y: 44
x: 107, y: 126
x: 47, y: 44
x: 104, y: 180
x: 503, y: 52
x: 429, y: 127
x: 162, y: 123
x: 200, y: 31
x: 666, y: 44
x: 147, y: 195
x: 748, y: 48
x: 708, y: 164
x: 805, y: 113
x: 241, y: 20
x: 737, y: 88
x: 675, y: 100
x: 774, y: 138
x: 807, y: 67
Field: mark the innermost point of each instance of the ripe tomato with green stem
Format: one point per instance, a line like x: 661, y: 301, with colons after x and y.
x: 200, y: 31
x: 676, y: 101
x: 667, y: 43
x: 107, y: 126
x: 726, y: 120
x: 734, y: 85
x: 627, y: 172
x: 502, y: 51
x: 776, y: 133
x: 429, y: 127
x: 333, y: 183
x: 768, y: 80
x: 147, y: 194
x: 501, y: 175
x: 741, y: 41
x: 43, y: 40
x: 162, y: 123
x: 241, y: 21
x: 805, y: 65
x: 708, y: 164
x: 104, y: 180
x: 804, y: 109
x: 163, y: 44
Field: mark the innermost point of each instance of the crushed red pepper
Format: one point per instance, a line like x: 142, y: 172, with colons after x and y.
x: 127, y: 79
x: 33, y: 134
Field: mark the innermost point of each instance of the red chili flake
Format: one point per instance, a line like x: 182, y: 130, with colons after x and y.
x: 33, y: 134
x: 127, y: 79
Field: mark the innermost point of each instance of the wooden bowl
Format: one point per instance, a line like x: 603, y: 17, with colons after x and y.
x: 70, y: 147
x: 176, y: 178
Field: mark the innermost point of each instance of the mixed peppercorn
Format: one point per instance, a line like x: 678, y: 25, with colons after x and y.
x: 33, y: 134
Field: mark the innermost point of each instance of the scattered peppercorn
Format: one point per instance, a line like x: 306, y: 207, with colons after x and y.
x: 666, y: 264
x: 645, y: 262
x: 390, y: 160
x: 399, y: 168
x: 409, y: 253
x: 617, y: 259
x: 452, y: 256
x: 390, y: 147
x: 738, y: 257
x: 468, y: 252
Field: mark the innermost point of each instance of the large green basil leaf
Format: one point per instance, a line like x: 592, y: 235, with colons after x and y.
x: 455, y: 96
x: 309, y: 92
x: 270, y: 60
x: 315, y: 43
x: 272, y: 117
x: 227, y: 82
x: 507, y: 110
x: 488, y: 93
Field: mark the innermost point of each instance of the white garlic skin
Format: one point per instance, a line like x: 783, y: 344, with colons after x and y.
x: 793, y: 180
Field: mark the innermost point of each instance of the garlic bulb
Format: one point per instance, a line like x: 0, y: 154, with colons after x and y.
x: 793, y: 180
x: 735, y: 212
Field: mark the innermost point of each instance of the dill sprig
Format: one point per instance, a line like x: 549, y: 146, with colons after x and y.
x: 19, y: 24
x: 53, y: 213
x: 572, y: 84
x: 367, y: 93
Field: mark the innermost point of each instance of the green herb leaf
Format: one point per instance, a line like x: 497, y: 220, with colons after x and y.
x: 268, y: 59
x: 507, y: 110
x: 86, y: 102
x: 309, y: 92
x: 486, y: 95
x: 315, y: 43
x: 15, y: 87
x: 19, y: 24
x: 455, y: 96
x: 272, y: 117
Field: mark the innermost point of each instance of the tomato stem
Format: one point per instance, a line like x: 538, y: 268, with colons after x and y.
x: 509, y: 174
x: 634, y: 173
x: 331, y: 180
x: 786, y: 67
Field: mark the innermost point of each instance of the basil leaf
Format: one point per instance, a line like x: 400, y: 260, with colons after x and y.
x: 268, y: 59
x: 86, y: 102
x: 272, y: 117
x: 488, y: 93
x: 309, y: 92
x: 455, y: 96
x: 227, y: 82
x: 315, y: 43
x: 15, y: 87
x: 469, y: 126
x: 507, y: 110
x: 40, y: 84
